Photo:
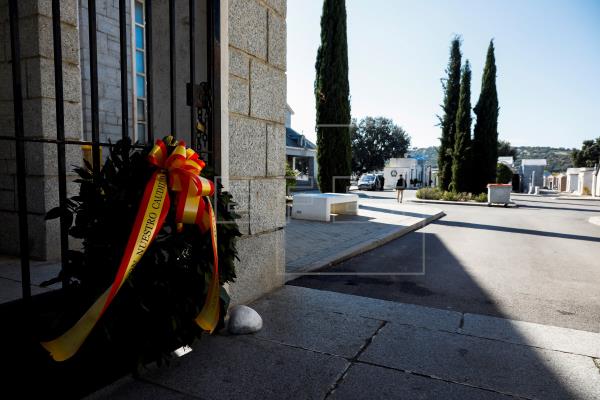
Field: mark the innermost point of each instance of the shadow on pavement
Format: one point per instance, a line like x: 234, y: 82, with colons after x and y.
x: 435, y: 278
x: 366, y: 196
x: 348, y: 219
x: 396, y: 212
x: 517, y: 230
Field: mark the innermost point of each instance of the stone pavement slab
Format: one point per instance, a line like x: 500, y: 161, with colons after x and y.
x: 237, y: 367
x: 365, y: 381
x: 532, y: 334
x: 311, y: 328
x: 503, y: 367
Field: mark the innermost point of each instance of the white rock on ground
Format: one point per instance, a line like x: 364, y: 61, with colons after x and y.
x: 243, y: 319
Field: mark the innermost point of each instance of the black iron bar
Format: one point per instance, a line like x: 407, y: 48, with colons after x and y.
x: 149, y: 88
x: 193, y: 72
x: 94, y: 89
x: 20, y: 147
x: 209, y: 78
x: 60, y: 134
x: 172, y: 65
x: 214, y: 68
x: 123, y: 51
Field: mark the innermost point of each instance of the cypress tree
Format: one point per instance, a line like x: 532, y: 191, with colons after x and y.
x: 332, y: 93
x: 485, y: 135
x: 461, y: 156
x: 448, y: 121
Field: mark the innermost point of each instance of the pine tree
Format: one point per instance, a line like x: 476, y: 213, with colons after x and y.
x: 485, y: 135
x: 332, y: 92
x: 448, y: 121
x: 461, y: 156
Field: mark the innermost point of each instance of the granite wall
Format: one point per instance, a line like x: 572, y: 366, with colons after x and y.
x: 257, y: 99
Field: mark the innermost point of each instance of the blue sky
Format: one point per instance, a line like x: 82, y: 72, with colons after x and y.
x: 547, y: 55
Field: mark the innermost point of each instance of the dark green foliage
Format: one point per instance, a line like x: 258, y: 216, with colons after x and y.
x: 375, y: 140
x: 461, y: 156
x: 485, y: 137
x: 332, y: 95
x: 503, y: 173
x: 451, y: 86
x: 290, y: 179
x: 589, y: 155
x: 154, y: 311
x: 506, y: 150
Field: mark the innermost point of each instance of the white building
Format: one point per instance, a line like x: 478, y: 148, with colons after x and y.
x: 301, y: 154
x: 409, y: 168
x: 585, y: 181
x: 572, y: 180
x: 596, y: 183
x: 532, y: 173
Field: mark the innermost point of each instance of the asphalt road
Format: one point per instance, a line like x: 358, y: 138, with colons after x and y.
x: 539, y: 262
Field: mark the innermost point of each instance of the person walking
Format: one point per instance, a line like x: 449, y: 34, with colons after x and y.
x: 400, y: 186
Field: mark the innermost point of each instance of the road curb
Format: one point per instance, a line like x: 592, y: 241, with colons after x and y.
x: 456, y: 203
x: 576, y: 198
x: 362, y: 247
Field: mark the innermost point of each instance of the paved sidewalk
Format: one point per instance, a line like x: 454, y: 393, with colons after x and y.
x: 326, y: 345
x: 311, y: 245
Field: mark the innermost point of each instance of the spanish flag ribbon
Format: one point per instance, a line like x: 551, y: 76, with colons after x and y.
x: 178, y: 172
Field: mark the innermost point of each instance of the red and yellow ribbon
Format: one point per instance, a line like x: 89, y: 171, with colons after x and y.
x: 180, y: 173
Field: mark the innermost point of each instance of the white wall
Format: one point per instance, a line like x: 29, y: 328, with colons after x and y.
x: 390, y: 181
x: 585, y: 180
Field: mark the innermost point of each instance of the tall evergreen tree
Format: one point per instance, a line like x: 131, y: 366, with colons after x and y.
x: 461, y: 156
x: 332, y: 93
x: 485, y: 135
x: 452, y: 92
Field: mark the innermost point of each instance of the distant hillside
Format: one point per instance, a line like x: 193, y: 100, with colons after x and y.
x: 428, y: 153
x: 559, y: 159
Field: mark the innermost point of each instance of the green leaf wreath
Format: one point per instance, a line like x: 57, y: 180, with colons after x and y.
x: 154, y: 312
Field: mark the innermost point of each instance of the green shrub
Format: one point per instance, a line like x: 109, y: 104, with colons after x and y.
x: 451, y: 196
x: 503, y: 173
x: 437, y: 194
x: 429, y: 194
x: 481, y: 198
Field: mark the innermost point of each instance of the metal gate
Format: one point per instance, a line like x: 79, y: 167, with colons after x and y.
x: 203, y: 99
